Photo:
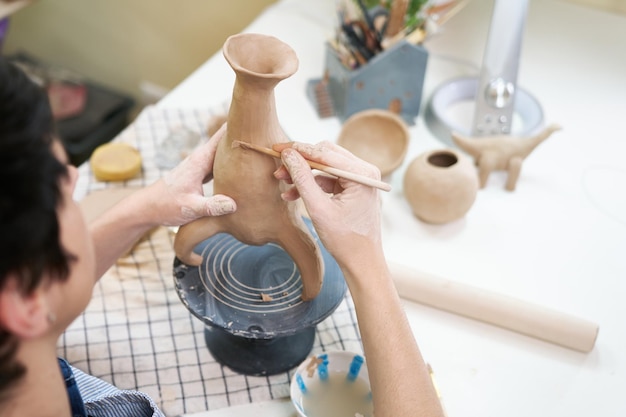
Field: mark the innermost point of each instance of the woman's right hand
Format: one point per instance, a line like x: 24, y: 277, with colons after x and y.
x: 346, y: 215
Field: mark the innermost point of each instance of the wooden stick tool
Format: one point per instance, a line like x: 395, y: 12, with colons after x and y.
x: 340, y: 173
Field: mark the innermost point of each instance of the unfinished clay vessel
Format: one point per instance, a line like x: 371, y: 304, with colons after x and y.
x: 440, y: 185
x: 260, y: 62
x: 501, y: 152
x: 377, y: 136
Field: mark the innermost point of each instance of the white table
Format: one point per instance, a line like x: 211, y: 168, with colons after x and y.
x: 559, y: 240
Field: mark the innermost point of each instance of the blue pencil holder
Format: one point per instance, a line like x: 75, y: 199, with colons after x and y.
x: 392, y: 80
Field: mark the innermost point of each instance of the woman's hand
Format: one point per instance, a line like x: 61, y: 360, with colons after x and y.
x: 179, y: 197
x: 173, y: 200
x: 346, y: 215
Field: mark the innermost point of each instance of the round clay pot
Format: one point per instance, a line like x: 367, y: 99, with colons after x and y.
x: 440, y: 185
x: 379, y: 137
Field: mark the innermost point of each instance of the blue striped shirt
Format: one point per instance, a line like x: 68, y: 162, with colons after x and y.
x: 102, y: 399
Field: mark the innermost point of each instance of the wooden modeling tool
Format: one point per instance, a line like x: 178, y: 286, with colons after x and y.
x: 360, y: 179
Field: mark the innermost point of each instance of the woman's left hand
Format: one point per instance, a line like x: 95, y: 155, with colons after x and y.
x: 179, y: 196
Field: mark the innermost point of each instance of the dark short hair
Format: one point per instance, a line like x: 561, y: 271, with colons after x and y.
x: 30, y: 193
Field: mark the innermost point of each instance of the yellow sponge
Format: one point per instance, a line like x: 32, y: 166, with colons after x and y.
x: 115, y: 161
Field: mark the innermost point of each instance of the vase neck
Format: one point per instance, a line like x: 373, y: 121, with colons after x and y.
x: 252, y: 116
x: 260, y: 62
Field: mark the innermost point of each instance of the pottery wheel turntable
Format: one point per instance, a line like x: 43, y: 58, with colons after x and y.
x: 248, y: 297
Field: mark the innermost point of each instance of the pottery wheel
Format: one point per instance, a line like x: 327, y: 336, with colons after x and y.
x: 249, y: 299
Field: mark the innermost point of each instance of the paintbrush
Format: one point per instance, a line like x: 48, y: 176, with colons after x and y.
x: 340, y: 173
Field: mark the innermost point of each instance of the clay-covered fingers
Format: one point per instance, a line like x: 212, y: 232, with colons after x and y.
x: 300, y: 175
x: 179, y: 194
x: 206, y: 153
x: 197, y: 168
x: 345, y: 214
x: 327, y: 183
x: 318, y: 153
x: 199, y: 206
x: 333, y: 155
x: 303, y: 146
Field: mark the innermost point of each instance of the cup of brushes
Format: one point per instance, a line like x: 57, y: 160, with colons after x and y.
x: 374, y: 61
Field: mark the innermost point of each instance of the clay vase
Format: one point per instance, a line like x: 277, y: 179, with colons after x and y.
x: 260, y: 62
x: 440, y: 185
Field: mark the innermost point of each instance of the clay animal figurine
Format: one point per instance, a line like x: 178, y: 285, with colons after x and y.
x: 501, y: 153
x: 260, y: 62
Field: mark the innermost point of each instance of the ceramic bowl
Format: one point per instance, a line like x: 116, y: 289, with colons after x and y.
x: 331, y: 383
x: 377, y: 136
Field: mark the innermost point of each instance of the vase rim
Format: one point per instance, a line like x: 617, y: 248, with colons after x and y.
x: 260, y: 55
x: 442, y: 158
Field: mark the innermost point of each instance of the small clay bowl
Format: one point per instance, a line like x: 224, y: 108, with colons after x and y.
x: 332, y: 381
x: 377, y: 136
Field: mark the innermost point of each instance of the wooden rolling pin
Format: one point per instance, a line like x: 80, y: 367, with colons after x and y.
x: 497, y: 309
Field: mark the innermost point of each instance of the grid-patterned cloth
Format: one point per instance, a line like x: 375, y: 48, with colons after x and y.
x: 137, y: 334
